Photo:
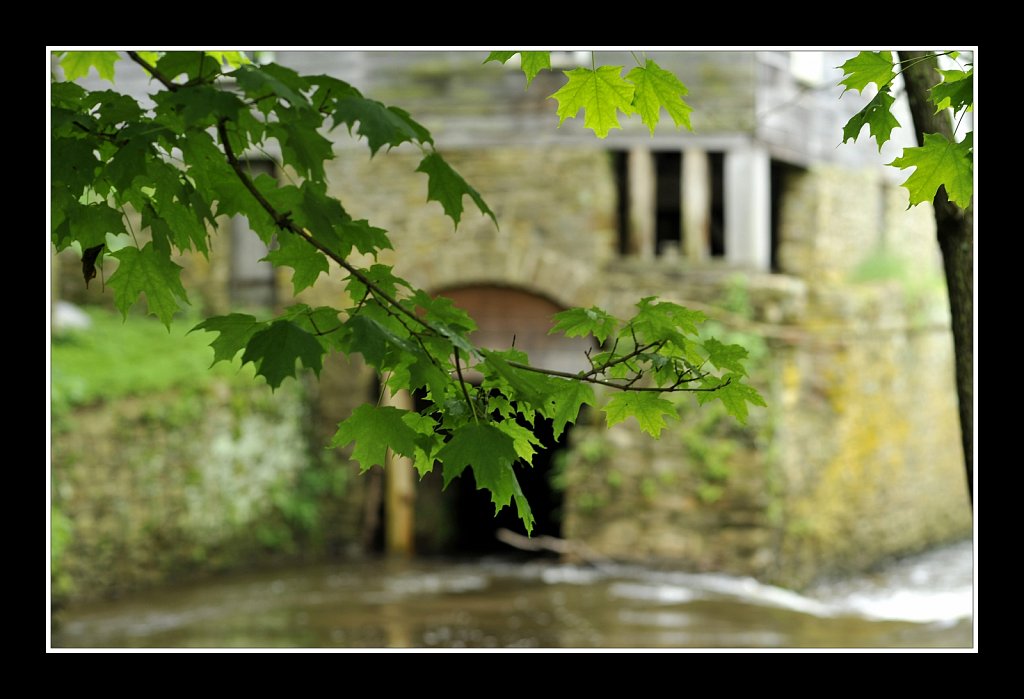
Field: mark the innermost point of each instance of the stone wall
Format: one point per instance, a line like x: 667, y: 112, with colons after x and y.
x: 857, y: 457
x: 832, y: 219
x: 855, y: 460
x: 857, y: 375
x: 872, y: 465
x: 153, y: 487
x: 707, y: 494
x: 555, y: 207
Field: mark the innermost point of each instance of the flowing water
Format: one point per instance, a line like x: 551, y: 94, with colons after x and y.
x: 926, y: 601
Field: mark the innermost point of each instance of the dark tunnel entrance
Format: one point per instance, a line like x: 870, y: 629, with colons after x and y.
x: 461, y: 519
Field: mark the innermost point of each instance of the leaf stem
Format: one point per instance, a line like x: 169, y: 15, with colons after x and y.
x: 958, y: 120
x: 462, y: 384
x: 131, y: 228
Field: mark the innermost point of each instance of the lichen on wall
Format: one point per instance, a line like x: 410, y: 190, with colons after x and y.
x: 873, y: 467
x: 152, y: 486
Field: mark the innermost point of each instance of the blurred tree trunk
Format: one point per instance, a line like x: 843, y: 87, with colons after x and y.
x: 955, y: 230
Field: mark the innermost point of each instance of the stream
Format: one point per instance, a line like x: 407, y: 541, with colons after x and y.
x: 926, y: 601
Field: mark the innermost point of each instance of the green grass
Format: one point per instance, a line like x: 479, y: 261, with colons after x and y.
x: 116, y: 358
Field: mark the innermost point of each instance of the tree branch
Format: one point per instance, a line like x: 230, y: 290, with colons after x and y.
x: 151, y: 69
x: 283, y: 221
x: 955, y: 232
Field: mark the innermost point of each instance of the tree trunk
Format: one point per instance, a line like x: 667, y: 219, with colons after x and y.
x: 955, y: 229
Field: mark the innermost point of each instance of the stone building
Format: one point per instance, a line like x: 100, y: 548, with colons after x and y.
x: 800, y: 248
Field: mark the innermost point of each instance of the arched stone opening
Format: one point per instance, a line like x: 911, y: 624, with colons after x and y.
x: 461, y: 519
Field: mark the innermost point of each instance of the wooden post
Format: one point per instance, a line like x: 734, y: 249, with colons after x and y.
x: 642, y: 202
x: 696, y: 198
x: 399, y: 491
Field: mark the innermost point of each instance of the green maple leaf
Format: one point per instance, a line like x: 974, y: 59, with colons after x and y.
x: 457, y: 337
x: 177, y: 219
x: 212, y: 174
x: 726, y: 356
x: 198, y: 106
x: 329, y: 90
x: 568, y: 397
x: 113, y: 107
x: 662, y: 320
x: 382, y: 277
x: 877, y: 114
x: 526, y: 386
x: 379, y: 124
x: 321, y: 322
x: 128, y: 163
x: 302, y: 146
x: 234, y: 332
x: 367, y: 239
x: 428, y: 443
x: 580, y: 322
x: 61, y: 201
x: 599, y: 93
x: 532, y: 62
x: 323, y: 216
x: 378, y: 344
x: 418, y: 371
x: 733, y: 394
x: 273, y: 80
x: 657, y: 88
x: 443, y: 310
x: 307, y: 261
x: 500, y: 56
x: 232, y: 59
x: 523, y: 440
x: 646, y: 407
x: 194, y: 64
x: 375, y: 430
x: 955, y: 92
x: 868, y: 67
x: 74, y: 163
x: 939, y: 162
x: 67, y: 94
x: 152, y: 273
x: 491, y: 453
x: 274, y: 350
x: 89, y: 224
x: 76, y: 64
x: 446, y: 186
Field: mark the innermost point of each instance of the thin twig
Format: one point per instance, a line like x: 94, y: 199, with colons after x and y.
x: 151, y: 69
x: 610, y: 384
